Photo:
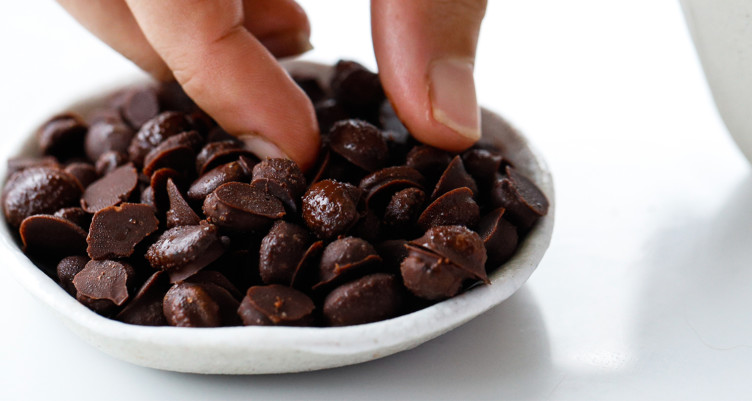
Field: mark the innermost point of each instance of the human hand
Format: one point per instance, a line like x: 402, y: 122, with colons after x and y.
x: 223, y: 54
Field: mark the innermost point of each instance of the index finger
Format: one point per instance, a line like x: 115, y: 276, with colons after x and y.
x: 230, y: 74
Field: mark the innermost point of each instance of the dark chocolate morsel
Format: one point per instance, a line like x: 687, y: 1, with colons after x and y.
x: 138, y: 105
x: 307, y: 269
x: 237, y: 206
x: 345, y: 257
x: 22, y: 163
x: 214, y: 154
x: 199, y: 305
x: 146, y: 306
x: 430, y: 276
x: 282, y: 250
x: 109, y: 161
x: 48, y: 236
x: 112, y: 189
x: 184, y: 250
x: 482, y: 164
x: 281, y: 178
x: 104, y: 137
x: 459, y: 245
x: 404, y: 208
x: 499, y: 236
x: 393, y: 252
x: 360, y: 143
x: 67, y: 268
x: 62, y: 136
x: 180, y: 213
x: 454, y: 177
x: 158, y: 185
x: 214, y: 277
x: 175, y: 152
x: 154, y: 131
x: 116, y: 230
x: 523, y: 200
x: 85, y: 173
x: 454, y: 207
x: 390, y: 180
x: 369, y: 299
x: 430, y: 161
x: 211, y: 180
x: 77, y: 215
x: 356, y: 88
x: 330, y: 208
x: 276, y: 305
x: 104, y: 285
x: 328, y: 112
x: 38, y: 190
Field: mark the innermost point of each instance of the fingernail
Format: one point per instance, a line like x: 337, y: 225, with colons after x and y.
x: 262, y: 147
x: 452, y: 94
x: 288, y: 43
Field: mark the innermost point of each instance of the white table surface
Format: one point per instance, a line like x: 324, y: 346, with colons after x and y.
x: 643, y: 294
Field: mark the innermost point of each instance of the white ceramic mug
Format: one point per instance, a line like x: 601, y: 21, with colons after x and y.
x: 722, y: 33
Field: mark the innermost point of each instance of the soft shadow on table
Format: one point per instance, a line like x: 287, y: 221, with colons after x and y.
x: 506, y: 348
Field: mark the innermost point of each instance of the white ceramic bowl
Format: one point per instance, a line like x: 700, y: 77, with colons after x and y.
x: 255, y: 350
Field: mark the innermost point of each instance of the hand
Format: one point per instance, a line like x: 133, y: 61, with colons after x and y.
x: 223, y: 54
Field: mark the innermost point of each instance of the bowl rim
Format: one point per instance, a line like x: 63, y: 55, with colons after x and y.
x: 398, y: 333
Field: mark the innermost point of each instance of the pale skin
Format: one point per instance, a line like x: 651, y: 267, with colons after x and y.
x: 223, y: 53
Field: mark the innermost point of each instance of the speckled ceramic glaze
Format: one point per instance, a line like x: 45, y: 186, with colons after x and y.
x: 255, y: 350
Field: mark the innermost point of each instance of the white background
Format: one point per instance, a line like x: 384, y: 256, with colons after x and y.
x: 643, y: 294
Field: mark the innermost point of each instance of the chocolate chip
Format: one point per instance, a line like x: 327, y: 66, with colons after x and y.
x: 460, y: 245
x: 356, y: 88
x: 393, y: 252
x: 62, y: 136
x: 52, y: 237
x: 454, y: 177
x: 499, y: 236
x: 76, y: 215
x: 404, y: 208
x: 158, y: 185
x: 214, y: 154
x: 178, y: 158
x: 85, y: 173
x: 328, y: 112
x: 22, y: 163
x: 154, y: 131
x: 146, y: 306
x: 139, y: 105
x: 306, y: 271
x: 523, y: 200
x: 384, y: 183
x: 199, y: 305
x: 38, y: 190
x: 207, y: 183
x: 281, y: 178
x: 371, y: 298
x: 430, y: 276
x: 330, y: 208
x: 214, y: 277
x: 482, y: 164
x: 429, y: 161
x: 276, y: 305
x: 172, y: 97
x: 180, y: 213
x: 67, y: 268
x: 238, y: 206
x: 116, y: 230
x: 454, y: 207
x: 103, y: 137
x: 360, y: 143
x: 112, y: 189
x: 281, y: 252
x: 184, y: 250
x: 109, y: 162
x: 345, y: 257
x: 104, y: 285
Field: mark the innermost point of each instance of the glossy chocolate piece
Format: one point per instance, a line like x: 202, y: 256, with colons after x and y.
x: 382, y: 184
x: 38, y: 190
x: 360, y: 143
x: 138, y: 105
x: 112, y: 189
x: 153, y: 132
x: 454, y: 177
x: 180, y: 213
x: 345, y: 257
x: 104, y: 285
x: 403, y: 208
x: 330, y: 208
x: 78, y: 216
x: 482, y: 164
x: 356, y: 88
x: 146, y: 307
x: 62, y: 136
x: 215, y: 154
x: 16, y: 164
x: 454, y: 207
x: 282, y: 250
x: 52, y: 237
x: 207, y: 183
x: 369, y: 299
x: 199, y: 305
x: 281, y: 178
x: 214, y: 277
x: 109, y: 162
x: 430, y: 276
x: 176, y: 152
x: 158, y: 186
x: 237, y: 206
x: 276, y: 305
x: 85, y: 173
x: 116, y: 230
x: 67, y: 269
x: 499, y: 236
x: 429, y: 161
x: 184, y: 250
x: 458, y: 244
x: 523, y: 200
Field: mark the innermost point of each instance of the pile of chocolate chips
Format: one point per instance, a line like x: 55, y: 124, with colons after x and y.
x: 149, y: 213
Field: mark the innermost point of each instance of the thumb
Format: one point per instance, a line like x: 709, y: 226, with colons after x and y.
x: 425, y: 50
